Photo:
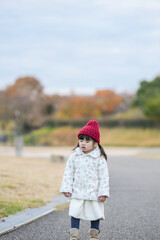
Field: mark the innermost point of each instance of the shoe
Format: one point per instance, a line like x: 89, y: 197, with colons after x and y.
x: 93, y: 234
x: 74, y: 234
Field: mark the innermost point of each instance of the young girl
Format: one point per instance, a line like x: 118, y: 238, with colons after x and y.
x: 86, y: 181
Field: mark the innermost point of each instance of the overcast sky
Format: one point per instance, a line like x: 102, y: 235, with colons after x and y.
x: 80, y: 45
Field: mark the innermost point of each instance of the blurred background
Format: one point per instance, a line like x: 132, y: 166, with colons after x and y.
x: 66, y: 62
x: 63, y: 63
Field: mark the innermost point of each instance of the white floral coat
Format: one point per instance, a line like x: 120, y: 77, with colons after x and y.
x: 86, y: 175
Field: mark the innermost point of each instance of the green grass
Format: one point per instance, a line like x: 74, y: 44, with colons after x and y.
x: 49, y: 136
x: 37, y: 136
x: 7, y: 208
x: 10, y: 208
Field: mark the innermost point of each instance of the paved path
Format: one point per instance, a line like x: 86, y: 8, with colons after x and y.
x: 30, y: 214
x: 132, y: 212
x: 47, y: 152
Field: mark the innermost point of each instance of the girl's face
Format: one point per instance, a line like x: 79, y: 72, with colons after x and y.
x: 87, y: 145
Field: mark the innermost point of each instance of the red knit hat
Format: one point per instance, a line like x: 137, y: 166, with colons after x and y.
x: 91, y: 129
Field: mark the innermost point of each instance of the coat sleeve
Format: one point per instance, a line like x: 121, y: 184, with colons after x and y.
x: 67, y: 181
x: 103, y: 176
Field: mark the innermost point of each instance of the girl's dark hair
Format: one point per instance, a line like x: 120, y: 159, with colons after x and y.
x: 87, y: 138
x: 102, y: 151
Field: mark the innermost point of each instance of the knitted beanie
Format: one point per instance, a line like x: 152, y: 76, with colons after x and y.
x: 91, y: 129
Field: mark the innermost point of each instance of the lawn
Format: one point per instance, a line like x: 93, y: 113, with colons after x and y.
x: 118, y: 136
x: 30, y: 182
x: 140, y: 137
x: 27, y: 182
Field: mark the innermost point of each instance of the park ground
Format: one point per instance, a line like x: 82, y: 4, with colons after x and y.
x: 132, y: 212
x: 34, y: 178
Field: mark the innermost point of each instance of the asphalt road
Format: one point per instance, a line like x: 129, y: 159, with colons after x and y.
x: 132, y: 211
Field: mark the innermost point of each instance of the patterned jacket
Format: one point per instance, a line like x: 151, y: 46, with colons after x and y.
x: 86, y: 175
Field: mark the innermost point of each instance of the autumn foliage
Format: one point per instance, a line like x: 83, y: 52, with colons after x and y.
x: 26, y: 100
x: 77, y: 107
x: 101, y: 104
x: 107, y: 101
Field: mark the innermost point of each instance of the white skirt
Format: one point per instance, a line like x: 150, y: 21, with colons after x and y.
x: 86, y: 209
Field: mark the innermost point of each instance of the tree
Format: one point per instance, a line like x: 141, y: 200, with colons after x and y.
x: 26, y: 100
x: 147, y: 98
x: 102, y: 103
x: 23, y: 102
x: 107, y: 101
x: 5, y: 110
x: 152, y: 108
x: 77, y: 107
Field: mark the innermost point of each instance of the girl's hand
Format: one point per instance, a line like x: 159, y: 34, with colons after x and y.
x: 102, y: 198
x: 67, y: 194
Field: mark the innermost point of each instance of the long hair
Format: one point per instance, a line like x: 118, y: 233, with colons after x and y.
x: 87, y: 138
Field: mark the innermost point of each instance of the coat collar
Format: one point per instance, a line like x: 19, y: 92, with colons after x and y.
x: 94, y: 154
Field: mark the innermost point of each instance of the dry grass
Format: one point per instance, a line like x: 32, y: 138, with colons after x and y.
x: 62, y: 207
x: 27, y: 182
x: 130, y: 137
x: 151, y: 156
x: 118, y: 136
